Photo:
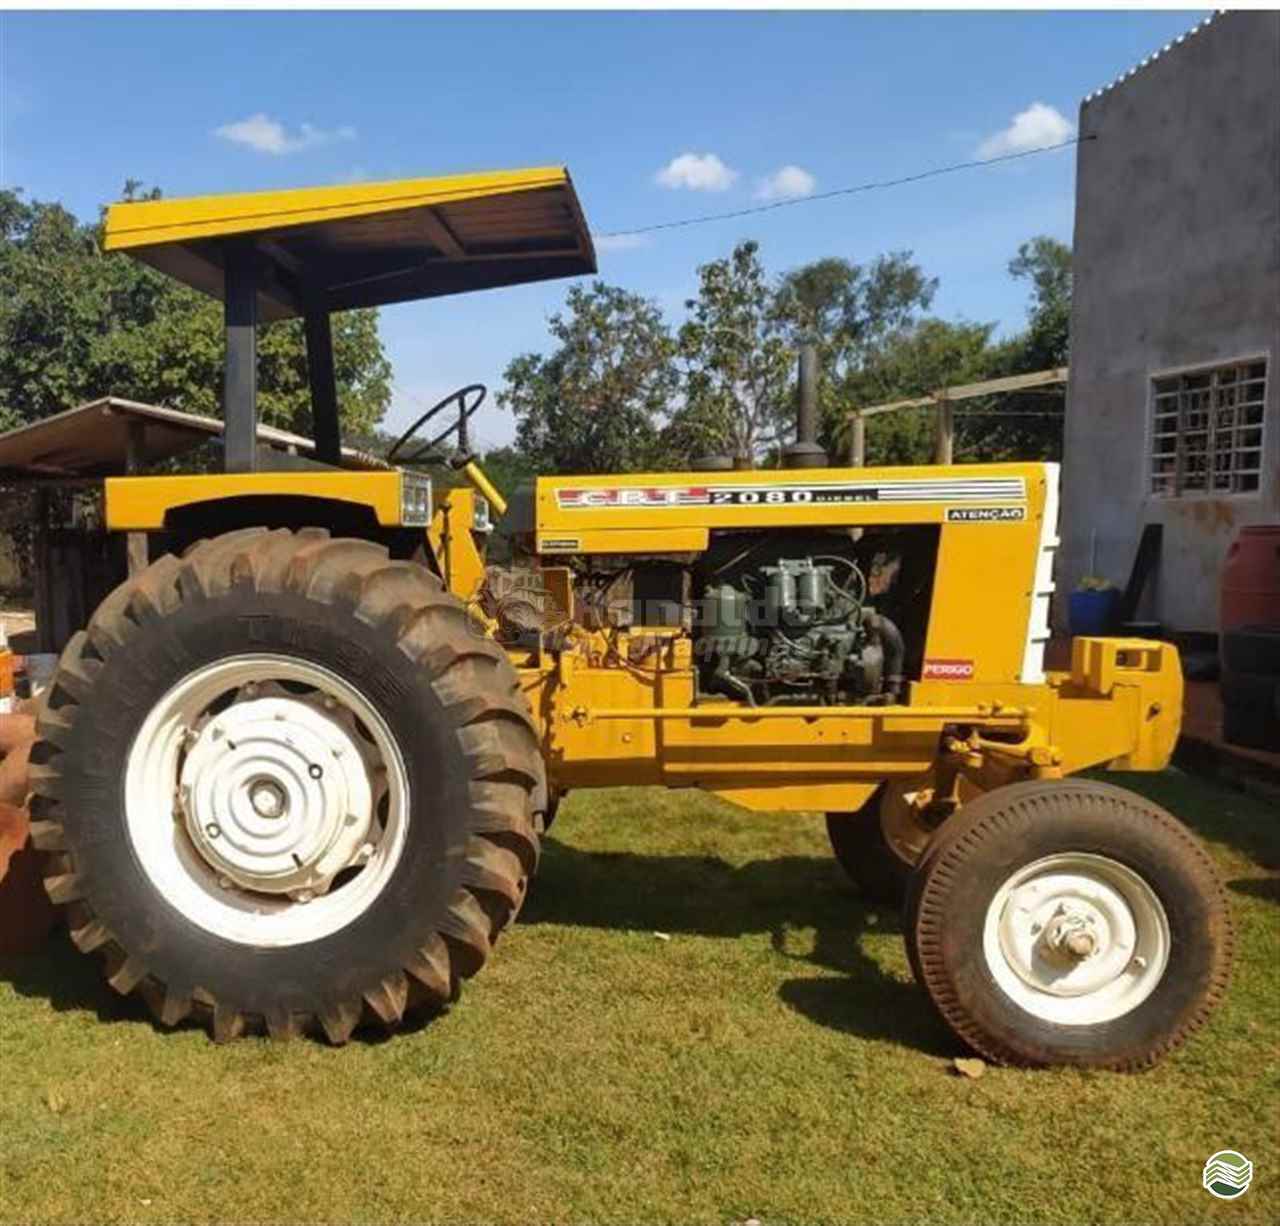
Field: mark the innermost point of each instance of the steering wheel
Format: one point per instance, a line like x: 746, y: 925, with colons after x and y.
x: 465, y: 412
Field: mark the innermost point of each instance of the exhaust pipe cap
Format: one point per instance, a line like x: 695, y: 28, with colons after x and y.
x: 804, y: 455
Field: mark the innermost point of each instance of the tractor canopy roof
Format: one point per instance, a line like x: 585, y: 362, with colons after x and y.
x: 368, y: 244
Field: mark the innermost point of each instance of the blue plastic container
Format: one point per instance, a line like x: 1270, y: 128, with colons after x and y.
x: 1093, y: 612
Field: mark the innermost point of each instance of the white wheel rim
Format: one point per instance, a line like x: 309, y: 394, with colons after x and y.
x: 267, y: 800
x: 1076, y: 938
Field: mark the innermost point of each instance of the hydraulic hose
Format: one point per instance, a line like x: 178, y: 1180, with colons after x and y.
x: 895, y: 652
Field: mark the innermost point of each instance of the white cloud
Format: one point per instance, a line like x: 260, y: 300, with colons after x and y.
x: 1039, y: 125
x: 619, y: 242
x: 263, y: 134
x: 699, y: 172
x: 789, y: 183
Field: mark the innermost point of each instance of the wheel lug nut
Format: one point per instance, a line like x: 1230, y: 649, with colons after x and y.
x: 224, y: 883
x: 213, y: 830
x: 315, y: 770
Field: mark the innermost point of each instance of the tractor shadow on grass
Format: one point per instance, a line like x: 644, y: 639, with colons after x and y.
x: 705, y: 896
x: 1266, y: 888
x: 70, y: 982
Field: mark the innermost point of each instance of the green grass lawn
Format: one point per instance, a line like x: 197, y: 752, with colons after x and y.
x: 771, y: 1059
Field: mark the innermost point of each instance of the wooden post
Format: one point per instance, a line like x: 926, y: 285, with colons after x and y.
x: 134, y: 458
x: 41, y: 577
x: 944, y: 445
x: 857, y: 439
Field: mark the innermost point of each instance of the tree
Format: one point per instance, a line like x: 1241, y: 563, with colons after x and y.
x: 508, y: 468
x: 911, y: 357
x: 1028, y: 425
x: 738, y: 364
x: 853, y: 311
x: 852, y: 308
x: 1046, y: 263
x: 915, y: 361
x: 77, y: 323
x: 598, y: 401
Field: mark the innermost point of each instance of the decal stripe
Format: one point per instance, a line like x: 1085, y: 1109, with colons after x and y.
x: 742, y: 493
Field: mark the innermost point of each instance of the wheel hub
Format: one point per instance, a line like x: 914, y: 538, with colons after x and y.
x: 268, y: 798
x: 1067, y: 934
x: 276, y: 798
x: 1072, y: 935
x: 1076, y: 938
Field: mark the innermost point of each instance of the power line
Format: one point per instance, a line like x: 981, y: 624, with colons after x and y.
x: 876, y: 185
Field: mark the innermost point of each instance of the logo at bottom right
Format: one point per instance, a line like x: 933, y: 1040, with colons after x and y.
x: 1227, y: 1174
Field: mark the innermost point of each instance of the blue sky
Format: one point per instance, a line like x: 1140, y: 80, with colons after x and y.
x: 840, y: 98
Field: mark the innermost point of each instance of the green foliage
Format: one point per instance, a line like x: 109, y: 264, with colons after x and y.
x: 1028, y: 425
x: 737, y: 380
x: 508, y: 468
x: 76, y: 323
x: 855, y: 313
x: 851, y: 309
x: 735, y: 390
x: 1046, y: 263
x: 915, y: 357
x: 597, y: 402
x: 913, y: 362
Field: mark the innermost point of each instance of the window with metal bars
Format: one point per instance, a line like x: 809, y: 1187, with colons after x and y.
x: 1206, y: 430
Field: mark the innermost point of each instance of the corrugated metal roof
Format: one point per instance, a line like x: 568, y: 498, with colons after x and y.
x: 368, y: 244
x: 93, y: 440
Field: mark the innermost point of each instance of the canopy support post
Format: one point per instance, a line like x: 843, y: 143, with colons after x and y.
x: 137, y: 548
x: 240, y: 385
x: 324, y: 388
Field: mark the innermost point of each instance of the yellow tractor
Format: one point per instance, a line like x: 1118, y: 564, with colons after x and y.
x: 292, y: 775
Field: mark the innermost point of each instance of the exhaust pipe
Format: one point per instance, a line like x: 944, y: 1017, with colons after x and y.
x: 805, y: 452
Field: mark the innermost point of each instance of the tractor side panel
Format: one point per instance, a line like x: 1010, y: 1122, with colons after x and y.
x: 144, y: 504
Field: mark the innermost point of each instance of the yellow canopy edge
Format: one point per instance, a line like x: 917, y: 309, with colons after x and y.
x: 368, y: 244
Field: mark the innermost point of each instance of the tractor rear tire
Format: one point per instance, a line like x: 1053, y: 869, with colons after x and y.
x: 1069, y: 922
x: 288, y: 786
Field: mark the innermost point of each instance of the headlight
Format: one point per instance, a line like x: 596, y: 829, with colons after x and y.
x: 481, y: 518
x: 415, y: 500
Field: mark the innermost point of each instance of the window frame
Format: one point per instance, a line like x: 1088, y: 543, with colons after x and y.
x: 1262, y: 356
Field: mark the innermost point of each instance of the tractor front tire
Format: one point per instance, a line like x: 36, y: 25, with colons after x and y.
x: 880, y: 844
x: 288, y: 786
x: 879, y: 869
x: 1069, y: 922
